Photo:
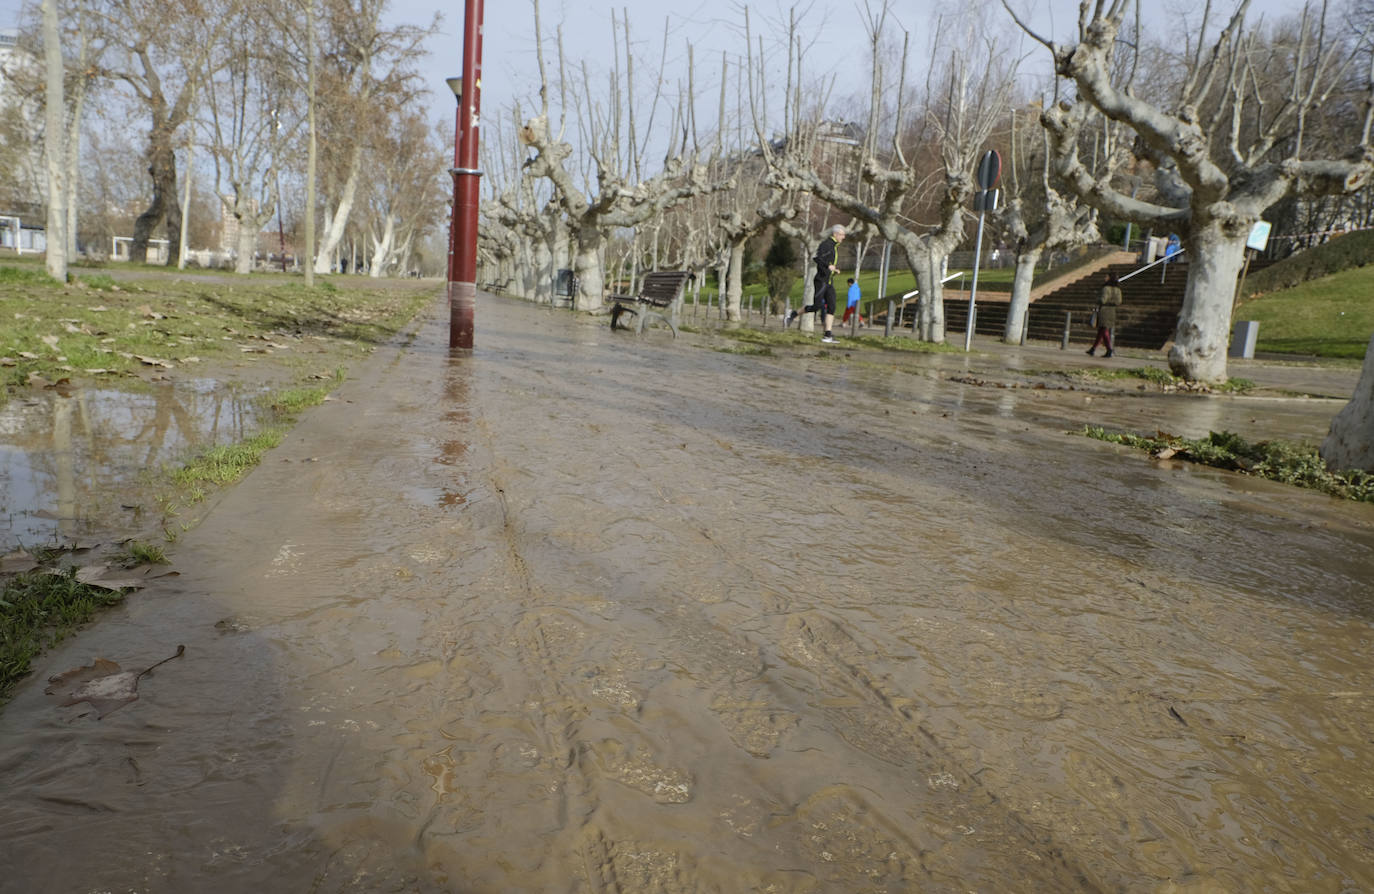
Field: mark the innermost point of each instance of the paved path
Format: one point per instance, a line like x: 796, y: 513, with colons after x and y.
x: 590, y: 612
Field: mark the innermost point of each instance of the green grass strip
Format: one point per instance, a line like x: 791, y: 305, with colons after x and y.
x: 38, y: 609
x: 1288, y: 462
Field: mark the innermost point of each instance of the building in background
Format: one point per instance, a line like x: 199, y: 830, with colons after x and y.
x: 21, y: 147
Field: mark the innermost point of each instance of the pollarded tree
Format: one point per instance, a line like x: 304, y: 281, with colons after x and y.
x: 1038, y: 217
x: 1228, y: 145
x: 614, y: 148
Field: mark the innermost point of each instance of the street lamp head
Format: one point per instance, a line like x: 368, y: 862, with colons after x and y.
x: 456, y: 85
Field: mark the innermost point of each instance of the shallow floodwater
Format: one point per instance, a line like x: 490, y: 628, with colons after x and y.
x: 590, y: 612
x: 71, y: 459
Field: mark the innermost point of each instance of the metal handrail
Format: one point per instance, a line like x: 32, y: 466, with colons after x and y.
x: 1163, y: 260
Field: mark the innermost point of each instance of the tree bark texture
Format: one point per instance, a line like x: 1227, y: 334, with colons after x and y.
x: 1350, y: 443
x: 1020, y: 294
x: 1204, y: 324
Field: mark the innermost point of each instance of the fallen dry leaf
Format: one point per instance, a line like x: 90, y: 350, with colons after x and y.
x: 49, y: 340
x: 102, y: 684
x: 121, y: 578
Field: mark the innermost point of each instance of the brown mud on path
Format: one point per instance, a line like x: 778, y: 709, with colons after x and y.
x: 588, y: 612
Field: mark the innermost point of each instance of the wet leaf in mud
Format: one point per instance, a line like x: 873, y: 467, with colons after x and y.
x: 122, y: 578
x: 1165, y: 452
x: 37, y: 381
x: 153, y: 361
x: 102, y: 684
x: 18, y: 562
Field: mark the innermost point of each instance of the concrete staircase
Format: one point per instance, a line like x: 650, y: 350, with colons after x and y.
x: 1146, y: 319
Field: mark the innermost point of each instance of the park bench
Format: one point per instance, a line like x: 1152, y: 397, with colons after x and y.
x: 659, y: 291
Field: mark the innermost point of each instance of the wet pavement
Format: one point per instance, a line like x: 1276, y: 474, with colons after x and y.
x: 590, y: 612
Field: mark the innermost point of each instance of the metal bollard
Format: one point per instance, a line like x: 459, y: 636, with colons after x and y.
x: 1068, y: 321
x: 887, y: 323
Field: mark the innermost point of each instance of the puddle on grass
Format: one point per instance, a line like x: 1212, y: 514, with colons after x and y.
x: 74, y: 462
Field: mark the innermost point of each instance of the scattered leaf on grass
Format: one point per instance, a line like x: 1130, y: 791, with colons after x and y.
x: 102, y: 684
x: 153, y: 361
x: 49, y: 340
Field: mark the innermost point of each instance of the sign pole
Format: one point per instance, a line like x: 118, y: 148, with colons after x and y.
x: 973, y: 293
x: 989, y: 170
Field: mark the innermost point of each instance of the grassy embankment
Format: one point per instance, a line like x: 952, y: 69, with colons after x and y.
x: 95, y: 328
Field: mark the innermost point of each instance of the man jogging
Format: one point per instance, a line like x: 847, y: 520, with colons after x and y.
x: 824, y: 300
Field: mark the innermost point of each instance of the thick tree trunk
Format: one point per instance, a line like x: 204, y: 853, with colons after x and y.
x: 1350, y: 444
x: 248, y: 245
x: 1200, y: 342
x: 587, y: 268
x: 930, y: 309
x: 335, y: 222
x: 163, y: 209
x: 381, y: 249
x: 1020, y: 295
x: 538, y: 273
x: 735, y: 281
x: 54, y: 149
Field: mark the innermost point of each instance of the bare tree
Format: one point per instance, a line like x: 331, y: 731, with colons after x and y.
x: 369, y: 76
x: 161, y: 52
x: 1037, y: 218
x: 1227, y: 146
x: 405, y: 195
x: 615, y: 147
x: 248, y: 103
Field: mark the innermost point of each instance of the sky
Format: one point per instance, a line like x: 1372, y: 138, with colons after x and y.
x: 840, y: 40
x: 835, y: 27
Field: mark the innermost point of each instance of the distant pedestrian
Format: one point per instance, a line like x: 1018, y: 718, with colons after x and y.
x: 824, y: 301
x: 852, y: 304
x: 1104, y: 317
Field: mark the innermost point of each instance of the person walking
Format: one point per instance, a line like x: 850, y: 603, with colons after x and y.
x: 852, y: 304
x: 824, y: 301
x: 1108, y: 300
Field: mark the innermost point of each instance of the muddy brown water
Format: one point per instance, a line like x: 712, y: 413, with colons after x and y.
x: 586, y: 612
x: 72, y: 459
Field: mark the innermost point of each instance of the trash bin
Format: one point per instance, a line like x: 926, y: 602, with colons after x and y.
x: 1243, y: 339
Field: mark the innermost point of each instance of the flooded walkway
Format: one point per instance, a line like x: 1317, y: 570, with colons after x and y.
x: 590, y: 613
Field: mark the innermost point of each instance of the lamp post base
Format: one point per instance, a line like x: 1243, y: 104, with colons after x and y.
x: 462, y: 302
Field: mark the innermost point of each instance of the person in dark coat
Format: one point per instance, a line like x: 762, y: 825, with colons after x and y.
x: 824, y: 301
x: 1108, y: 300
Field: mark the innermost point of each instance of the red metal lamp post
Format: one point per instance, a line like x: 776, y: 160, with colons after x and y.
x: 462, y: 252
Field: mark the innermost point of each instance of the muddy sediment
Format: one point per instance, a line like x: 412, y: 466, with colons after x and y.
x: 590, y: 612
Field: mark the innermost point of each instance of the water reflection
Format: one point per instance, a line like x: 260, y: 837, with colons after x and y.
x: 70, y: 458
